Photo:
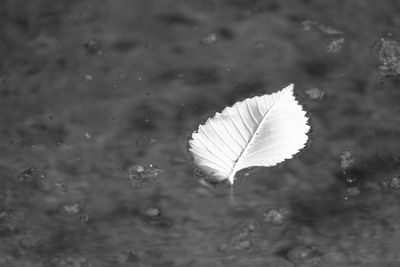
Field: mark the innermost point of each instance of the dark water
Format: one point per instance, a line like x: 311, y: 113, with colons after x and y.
x: 98, y: 99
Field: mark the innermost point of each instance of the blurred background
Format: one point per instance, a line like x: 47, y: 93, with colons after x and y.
x: 98, y: 100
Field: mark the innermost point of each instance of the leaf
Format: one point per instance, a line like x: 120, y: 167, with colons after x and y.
x: 259, y: 131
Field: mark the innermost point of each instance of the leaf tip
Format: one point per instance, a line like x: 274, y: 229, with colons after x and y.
x: 290, y: 87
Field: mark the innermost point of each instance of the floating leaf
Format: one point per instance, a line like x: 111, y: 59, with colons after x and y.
x: 259, y: 131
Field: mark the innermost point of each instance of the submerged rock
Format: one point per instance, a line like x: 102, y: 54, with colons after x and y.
x: 277, y: 216
x: 309, y: 25
x: 87, y: 78
x: 242, y: 240
x: 32, y: 241
x: 315, y: 93
x: 152, y: 212
x: 29, y: 175
x: 72, y: 208
x: 60, y: 186
x: 137, y: 175
x: 13, y: 215
x: 304, y: 255
x: 347, y: 159
x: 70, y: 261
x: 391, y: 183
x: 93, y: 47
x: 335, y: 46
x: 209, y: 39
x: 353, y: 191
x: 389, y: 57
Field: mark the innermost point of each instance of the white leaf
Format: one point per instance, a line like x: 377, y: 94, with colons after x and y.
x: 259, y: 131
